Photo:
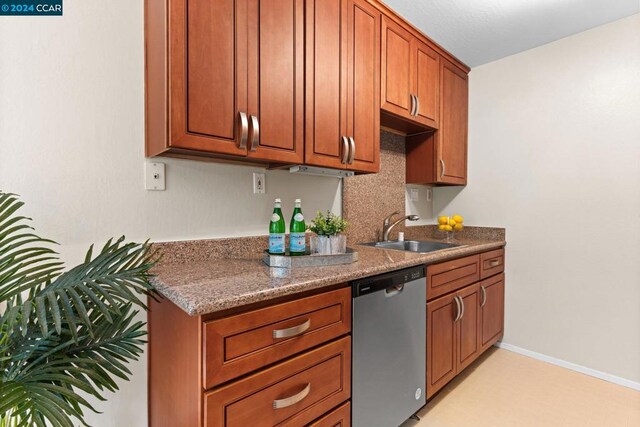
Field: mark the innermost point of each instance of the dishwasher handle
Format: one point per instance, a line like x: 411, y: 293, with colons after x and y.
x: 394, y: 290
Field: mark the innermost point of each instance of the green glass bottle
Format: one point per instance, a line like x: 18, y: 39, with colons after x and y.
x: 277, y: 229
x: 297, y: 229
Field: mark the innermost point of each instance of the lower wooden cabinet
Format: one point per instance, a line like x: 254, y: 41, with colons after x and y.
x: 442, y: 342
x: 461, y: 325
x: 491, y: 310
x: 453, y: 332
x: 468, y: 326
x: 292, y: 393
x: 287, y: 364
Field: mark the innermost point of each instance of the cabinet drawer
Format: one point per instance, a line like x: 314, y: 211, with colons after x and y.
x: 339, y: 417
x: 451, y: 275
x: 491, y: 263
x: 292, y: 393
x: 236, y: 345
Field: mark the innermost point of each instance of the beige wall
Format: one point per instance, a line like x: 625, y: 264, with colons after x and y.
x: 72, y: 145
x: 554, y: 156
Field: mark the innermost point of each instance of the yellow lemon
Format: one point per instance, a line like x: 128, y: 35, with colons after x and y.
x: 448, y: 228
x: 458, y: 227
x: 443, y: 220
x: 452, y: 222
x: 458, y: 219
x: 441, y: 227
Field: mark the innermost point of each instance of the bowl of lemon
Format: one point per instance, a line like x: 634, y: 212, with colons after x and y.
x: 450, y: 225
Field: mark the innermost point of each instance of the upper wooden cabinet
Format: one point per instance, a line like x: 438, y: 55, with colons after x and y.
x: 397, y: 78
x: 342, y: 81
x: 441, y: 157
x: 286, y: 82
x: 234, y: 85
x: 426, y: 69
x: 276, y: 80
x: 410, y: 77
x: 452, y: 136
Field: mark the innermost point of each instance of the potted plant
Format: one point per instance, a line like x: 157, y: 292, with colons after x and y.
x: 65, y: 334
x: 329, y: 239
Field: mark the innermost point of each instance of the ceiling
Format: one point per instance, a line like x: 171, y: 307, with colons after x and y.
x: 481, y: 31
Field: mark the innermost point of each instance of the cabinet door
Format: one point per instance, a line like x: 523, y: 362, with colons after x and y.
x: 469, y: 346
x: 452, y: 136
x: 396, y: 82
x: 326, y: 83
x: 492, y: 310
x: 208, y: 69
x: 276, y: 80
x: 441, y: 342
x: 363, y: 86
x: 426, y: 69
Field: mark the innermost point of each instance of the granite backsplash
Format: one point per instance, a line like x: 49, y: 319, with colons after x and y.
x: 366, y: 201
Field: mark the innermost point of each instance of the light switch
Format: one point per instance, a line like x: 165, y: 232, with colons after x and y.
x: 414, y: 195
x: 154, y: 176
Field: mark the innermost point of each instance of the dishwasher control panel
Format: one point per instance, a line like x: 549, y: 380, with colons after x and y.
x: 373, y: 284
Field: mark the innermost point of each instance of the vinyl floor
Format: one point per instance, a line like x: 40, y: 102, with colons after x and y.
x: 506, y: 389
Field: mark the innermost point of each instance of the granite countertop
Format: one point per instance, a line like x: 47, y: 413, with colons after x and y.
x: 204, y: 286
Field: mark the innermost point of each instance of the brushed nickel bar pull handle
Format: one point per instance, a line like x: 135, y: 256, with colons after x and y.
x: 292, y: 400
x: 352, y: 152
x: 417, y: 105
x: 458, y: 309
x: 462, y: 304
x: 442, y: 169
x: 484, y: 296
x: 494, y: 262
x: 413, y: 104
x: 293, y: 331
x: 345, y: 150
x: 244, y: 130
x: 255, y: 130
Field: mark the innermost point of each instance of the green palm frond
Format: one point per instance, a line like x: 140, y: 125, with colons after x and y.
x: 62, y: 333
x: 26, y: 261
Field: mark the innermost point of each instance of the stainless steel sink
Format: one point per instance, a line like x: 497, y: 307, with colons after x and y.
x: 418, y: 246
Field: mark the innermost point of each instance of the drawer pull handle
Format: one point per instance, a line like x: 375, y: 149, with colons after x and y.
x: 292, y: 400
x: 494, y: 263
x: 458, y: 309
x: 484, y: 296
x: 293, y: 331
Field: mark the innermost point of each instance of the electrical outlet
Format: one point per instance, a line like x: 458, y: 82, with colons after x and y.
x: 154, y: 176
x: 259, y: 183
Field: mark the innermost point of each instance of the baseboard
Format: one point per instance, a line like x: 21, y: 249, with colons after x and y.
x: 578, y: 368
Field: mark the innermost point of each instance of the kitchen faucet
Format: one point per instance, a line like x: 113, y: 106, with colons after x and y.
x: 387, y: 226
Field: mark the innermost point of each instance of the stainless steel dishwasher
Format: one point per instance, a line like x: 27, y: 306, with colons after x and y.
x: 389, y: 347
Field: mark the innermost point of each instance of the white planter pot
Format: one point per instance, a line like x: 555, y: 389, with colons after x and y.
x: 328, y: 245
